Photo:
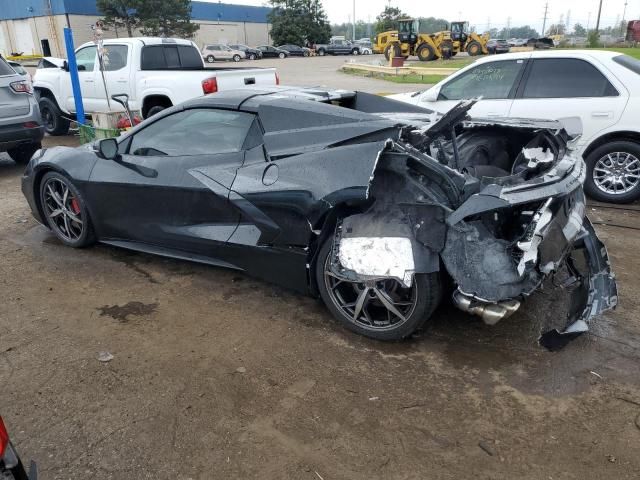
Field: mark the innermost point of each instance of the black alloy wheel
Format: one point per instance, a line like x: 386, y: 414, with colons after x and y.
x: 65, y: 211
x: 211, y: 59
x: 252, y: 56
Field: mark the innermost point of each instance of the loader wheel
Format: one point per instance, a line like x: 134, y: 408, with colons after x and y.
x: 446, y: 49
x: 391, y: 51
x: 426, y: 53
x: 474, y: 49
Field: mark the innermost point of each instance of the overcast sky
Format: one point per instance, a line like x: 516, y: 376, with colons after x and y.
x: 483, y: 13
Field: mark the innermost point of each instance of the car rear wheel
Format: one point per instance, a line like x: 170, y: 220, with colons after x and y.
x: 65, y: 211
x: 252, y: 56
x: 281, y: 55
x: 321, y: 53
x: 383, y: 309
x: 236, y: 58
x: 613, y: 172
x: 211, y: 59
x: 23, y: 153
x: 54, y: 123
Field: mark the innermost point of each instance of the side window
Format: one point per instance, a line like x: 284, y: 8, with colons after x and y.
x: 566, y: 78
x: 201, y: 131
x: 189, y: 57
x: 492, y: 80
x: 171, y: 55
x: 115, y: 57
x: 153, y: 58
x: 86, y: 58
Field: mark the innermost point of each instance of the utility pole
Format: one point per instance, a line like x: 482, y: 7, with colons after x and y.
x: 598, y: 21
x: 588, y: 21
x: 624, y: 14
x: 508, y: 27
x: 544, y: 20
x: 354, y: 20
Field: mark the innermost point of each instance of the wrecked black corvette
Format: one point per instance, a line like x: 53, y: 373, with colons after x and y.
x: 364, y: 201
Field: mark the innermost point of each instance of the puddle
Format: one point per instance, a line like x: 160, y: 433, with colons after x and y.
x: 121, y: 313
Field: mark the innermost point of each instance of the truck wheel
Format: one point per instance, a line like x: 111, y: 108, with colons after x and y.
x: 211, y: 59
x: 54, y: 123
x: 392, y: 51
x: 281, y: 55
x: 321, y: 52
x: 474, y: 49
x: 236, y: 58
x: 426, y: 53
x: 23, y: 153
x: 153, y: 110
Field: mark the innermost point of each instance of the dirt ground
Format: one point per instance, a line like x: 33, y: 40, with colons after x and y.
x: 218, y: 376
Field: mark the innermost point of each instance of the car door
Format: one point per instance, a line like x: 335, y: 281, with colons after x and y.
x: 170, y: 186
x: 556, y: 88
x: 496, y: 82
x: 116, y: 76
x: 86, y: 59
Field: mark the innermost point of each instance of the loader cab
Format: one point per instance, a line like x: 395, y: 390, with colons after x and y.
x: 408, y: 30
x: 459, y: 31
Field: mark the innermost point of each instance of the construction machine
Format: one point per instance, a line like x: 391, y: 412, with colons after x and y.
x: 466, y: 41
x: 407, y: 41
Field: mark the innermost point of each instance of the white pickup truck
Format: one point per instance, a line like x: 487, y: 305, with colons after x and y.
x: 156, y: 73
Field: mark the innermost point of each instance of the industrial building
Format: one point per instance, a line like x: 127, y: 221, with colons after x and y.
x: 35, y: 27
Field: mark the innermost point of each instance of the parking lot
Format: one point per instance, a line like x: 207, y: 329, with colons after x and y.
x: 217, y: 375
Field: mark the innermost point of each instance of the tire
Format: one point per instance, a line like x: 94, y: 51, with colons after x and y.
x: 619, y: 157
x: 426, y: 53
x: 236, y: 58
x: 427, y: 289
x: 281, y: 55
x: 153, y: 110
x: 474, y: 49
x: 355, y: 51
x: 252, y: 56
x: 392, y: 50
x: 54, y: 123
x: 23, y: 153
x: 211, y: 59
x: 76, y: 235
x: 305, y: 54
x: 321, y: 52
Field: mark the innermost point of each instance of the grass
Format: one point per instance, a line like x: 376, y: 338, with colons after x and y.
x: 425, y: 79
x: 632, y: 52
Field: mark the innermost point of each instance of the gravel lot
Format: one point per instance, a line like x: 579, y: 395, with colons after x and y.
x: 216, y: 375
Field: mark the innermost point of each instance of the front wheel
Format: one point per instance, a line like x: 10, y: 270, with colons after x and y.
x: 321, y: 53
x: 211, y: 59
x: 23, y: 153
x: 383, y: 309
x: 54, y: 123
x: 281, y: 55
x: 65, y: 211
x: 474, y: 49
x: 613, y: 172
x: 355, y: 51
x: 236, y: 58
x: 252, y: 56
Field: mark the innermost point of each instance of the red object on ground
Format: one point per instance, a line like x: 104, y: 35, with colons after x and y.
x: 397, y: 62
x: 4, y: 438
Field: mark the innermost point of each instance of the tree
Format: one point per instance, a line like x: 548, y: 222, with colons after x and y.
x: 518, y: 32
x: 167, y: 18
x: 433, y: 25
x: 299, y: 22
x: 120, y: 13
x: 556, y: 29
x: 579, y: 30
x: 388, y: 19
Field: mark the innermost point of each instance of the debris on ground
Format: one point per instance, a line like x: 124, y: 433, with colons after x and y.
x: 488, y: 449
x: 105, y: 357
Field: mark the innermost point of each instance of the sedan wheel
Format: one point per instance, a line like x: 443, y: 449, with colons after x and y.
x: 281, y: 55
x: 614, y: 172
x: 252, y: 56
x: 65, y: 211
x: 383, y: 309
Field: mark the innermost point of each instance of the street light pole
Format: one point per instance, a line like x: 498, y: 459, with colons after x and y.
x: 598, y: 21
x: 354, y: 20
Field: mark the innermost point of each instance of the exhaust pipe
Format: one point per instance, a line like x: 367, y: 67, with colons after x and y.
x: 491, y: 313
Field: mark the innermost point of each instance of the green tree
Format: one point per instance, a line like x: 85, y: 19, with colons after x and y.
x: 594, y: 38
x: 388, y: 19
x: 120, y: 13
x: 579, y: 30
x: 518, y: 32
x: 433, y: 25
x: 167, y: 18
x: 556, y: 29
x: 299, y: 22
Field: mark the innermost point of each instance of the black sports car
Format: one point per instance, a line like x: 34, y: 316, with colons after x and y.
x: 362, y: 200
x: 296, y: 51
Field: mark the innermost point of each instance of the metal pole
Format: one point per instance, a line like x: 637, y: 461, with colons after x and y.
x: 598, y: 21
x: 354, y: 20
x: 73, y: 71
x: 544, y: 21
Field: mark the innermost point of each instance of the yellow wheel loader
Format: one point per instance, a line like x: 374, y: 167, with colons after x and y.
x: 407, y: 41
x: 465, y: 41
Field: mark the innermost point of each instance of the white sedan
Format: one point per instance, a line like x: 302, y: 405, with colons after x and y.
x: 602, y: 88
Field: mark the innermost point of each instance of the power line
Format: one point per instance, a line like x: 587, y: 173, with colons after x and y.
x: 546, y: 15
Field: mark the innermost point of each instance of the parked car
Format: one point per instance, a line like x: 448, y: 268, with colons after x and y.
x: 20, y: 70
x: 338, y: 47
x: 21, y: 129
x: 11, y: 467
x: 350, y: 196
x: 601, y: 88
x: 272, y: 52
x: 156, y: 73
x: 498, y: 46
x: 249, y: 53
x: 215, y: 52
x: 365, y: 50
x: 295, y: 50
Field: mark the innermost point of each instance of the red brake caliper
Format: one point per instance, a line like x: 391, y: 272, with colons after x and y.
x: 75, y: 206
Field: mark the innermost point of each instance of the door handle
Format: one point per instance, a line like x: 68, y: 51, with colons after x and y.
x: 121, y: 81
x: 602, y: 114
x: 88, y: 81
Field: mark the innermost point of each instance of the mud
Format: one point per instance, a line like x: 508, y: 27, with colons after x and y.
x: 229, y: 377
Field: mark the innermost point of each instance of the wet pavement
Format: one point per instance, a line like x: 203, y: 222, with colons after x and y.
x: 217, y: 375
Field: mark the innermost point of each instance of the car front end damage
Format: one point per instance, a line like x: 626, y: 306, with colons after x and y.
x: 498, y: 204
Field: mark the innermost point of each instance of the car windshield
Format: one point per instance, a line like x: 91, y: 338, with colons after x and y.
x: 628, y: 62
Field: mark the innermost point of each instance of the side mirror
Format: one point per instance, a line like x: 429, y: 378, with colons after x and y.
x: 431, y: 95
x: 107, y: 148
x: 65, y: 66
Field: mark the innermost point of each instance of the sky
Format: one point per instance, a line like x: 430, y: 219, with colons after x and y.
x: 483, y: 14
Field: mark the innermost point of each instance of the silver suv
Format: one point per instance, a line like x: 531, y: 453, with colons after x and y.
x: 21, y: 128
